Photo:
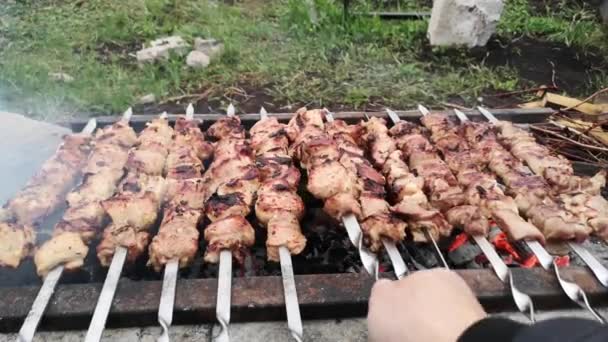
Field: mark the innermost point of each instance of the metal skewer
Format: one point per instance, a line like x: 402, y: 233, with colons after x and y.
x: 369, y: 259
x: 395, y: 119
x: 522, y: 301
x: 599, y: 270
x: 167, y: 296
x: 224, y: 283
x: 106, y: 297
x: 294, y: 319
x: 28, y: 329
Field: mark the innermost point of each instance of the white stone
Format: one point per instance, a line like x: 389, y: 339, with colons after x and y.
x: 197, y: 59
x: 210, y: 47
x: 148, y: 98
x: 161, y: 49
x: 463, y: 22
x: 61, y: 77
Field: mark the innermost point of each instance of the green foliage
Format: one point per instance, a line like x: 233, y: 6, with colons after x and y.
x: 268, y: 44
x: 564, y: 21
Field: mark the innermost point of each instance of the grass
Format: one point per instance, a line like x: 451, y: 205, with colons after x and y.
x: 269, y: 45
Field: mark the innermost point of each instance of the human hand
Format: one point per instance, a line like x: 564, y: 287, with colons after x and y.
x: 434, y: 306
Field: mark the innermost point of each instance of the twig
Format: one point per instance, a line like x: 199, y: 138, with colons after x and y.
x: 568, y: 139
x: 530, y: 90
x: 453, y: 105
x: 585, y: 100
x: 187, y: 96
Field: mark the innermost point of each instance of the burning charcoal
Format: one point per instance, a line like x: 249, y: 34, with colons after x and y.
x: 464, y: 255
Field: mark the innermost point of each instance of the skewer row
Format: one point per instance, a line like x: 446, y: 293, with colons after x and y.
x: 164, y: 171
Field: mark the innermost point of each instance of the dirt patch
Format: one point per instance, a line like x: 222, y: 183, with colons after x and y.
x: 544, y: 63
x: 247, y: 99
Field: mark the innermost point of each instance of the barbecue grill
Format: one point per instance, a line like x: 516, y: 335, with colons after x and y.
x: 331, y: 281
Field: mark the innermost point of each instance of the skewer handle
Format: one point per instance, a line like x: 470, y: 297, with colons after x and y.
x: 167, y: 299
x: 396, y: 260
x: 28, y: 329
x: 544, y: 258
x: 224, y: 289
x: 599, y: 270
x: 294, y: 320
x: 368, y: 259
x: 104, y: 303
x: 577, y: 295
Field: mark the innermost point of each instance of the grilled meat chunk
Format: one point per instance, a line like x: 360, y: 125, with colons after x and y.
x: 119, y: 134
x: 233, y: 233
x: 17, y: 243
x: 329, y: 179
x: 134, y: 240
x: 177, y: 238
x: 276, y: 196
x: 284, y: 230
x: 377, y: 227
x: 227, y: 128
x: 44, y: 192
x: 66, y: 248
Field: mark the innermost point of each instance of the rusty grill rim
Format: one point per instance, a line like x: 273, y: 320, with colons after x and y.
x: 321, y: 296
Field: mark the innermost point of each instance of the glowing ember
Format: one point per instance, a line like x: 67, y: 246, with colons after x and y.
x: 562, y: 261
x: 460, y: 240
x: 502, y: 244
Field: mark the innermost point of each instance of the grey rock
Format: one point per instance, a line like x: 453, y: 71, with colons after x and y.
x: 463, y: 22
x: 210, y: 47
x: 61, y: 77
x: 148, y: 98
x: 604, y: 11
x: 161, y: 49
x: 197, y: 59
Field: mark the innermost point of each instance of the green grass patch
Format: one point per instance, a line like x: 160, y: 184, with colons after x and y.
x: 268, y: 44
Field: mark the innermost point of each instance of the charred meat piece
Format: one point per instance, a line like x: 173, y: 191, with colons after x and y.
x: 17, y: 243
x: 177, y: 238
x: 329, y: 179
x: 233, y: 233
x: 134, y: 240
x: 276, y: 196
x: 379, y: 143
x: 377, y: 227
x: 66, y: 248
x: 44, y: 192
x: 284, y: 230
x: 227, y: 128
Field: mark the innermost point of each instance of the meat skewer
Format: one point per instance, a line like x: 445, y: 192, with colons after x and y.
x: 469, y: 164
x: 485, y: 142
x: 41, y: 196
x: 444, y: 192
x: 133, y: 211
x: 412, y: 202
x: 318, y: 154
x: 176, y: 243
x: 231, y: 183
x: 379, y: 224
x: 44, y: 192
x: 28, y: 329
x: 556, y: 163
x: 279, y: 208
